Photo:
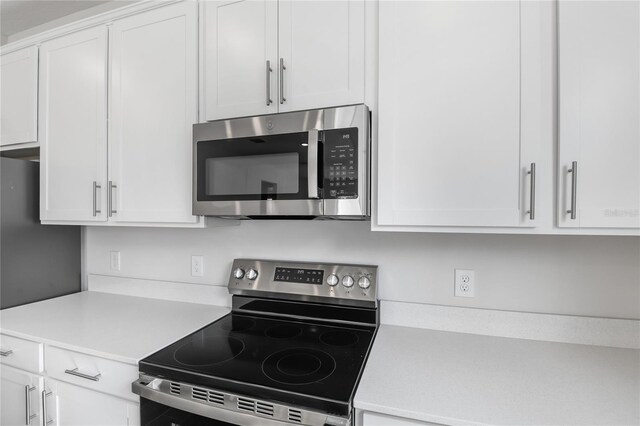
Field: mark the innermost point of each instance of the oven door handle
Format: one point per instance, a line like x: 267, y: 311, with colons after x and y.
x: 147, y: 389
x: 312, y: 164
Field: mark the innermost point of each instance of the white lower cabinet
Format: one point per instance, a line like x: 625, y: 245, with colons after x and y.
x: 20, y: 394
x: 75, y: 388
x: 374, y: 419
x: 68, y: 404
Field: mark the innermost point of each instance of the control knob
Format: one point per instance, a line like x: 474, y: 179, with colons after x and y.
x: 364, y: 282
x: 347, y: 281
x: 332, y: 280
x: 238, y: 273
x: 252, y: 274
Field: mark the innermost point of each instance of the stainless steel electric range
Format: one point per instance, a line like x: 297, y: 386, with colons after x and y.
x: 291, y: 351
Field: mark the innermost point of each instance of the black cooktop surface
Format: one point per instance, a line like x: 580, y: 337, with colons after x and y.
x: 320, y: 360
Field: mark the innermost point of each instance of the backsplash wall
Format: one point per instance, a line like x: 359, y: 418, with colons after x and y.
x: 573, y: 275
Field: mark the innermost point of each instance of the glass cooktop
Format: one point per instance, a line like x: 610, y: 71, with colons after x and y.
x: 314, y: 359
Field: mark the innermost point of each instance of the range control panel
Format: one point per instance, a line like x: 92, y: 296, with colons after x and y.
x: 340, y: 163
x: 328, y: 283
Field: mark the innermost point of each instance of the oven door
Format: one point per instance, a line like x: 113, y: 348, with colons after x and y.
x: 268, y: 175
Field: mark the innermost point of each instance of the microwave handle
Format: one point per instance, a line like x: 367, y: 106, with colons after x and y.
x: 312, y: 164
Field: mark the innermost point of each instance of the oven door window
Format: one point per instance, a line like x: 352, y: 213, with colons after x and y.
x: 155, y: 414
x: 270, y: 167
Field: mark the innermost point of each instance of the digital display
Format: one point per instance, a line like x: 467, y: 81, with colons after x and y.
x: 296, y: 275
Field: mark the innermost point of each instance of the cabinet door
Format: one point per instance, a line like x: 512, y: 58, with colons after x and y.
x: 452, y: 150
x: 321, y: 44
x: 19, y: 397
x: 153, y: 105
x: 240, y: 54
x: 73, y: 127
x: 599, y: 113
x: 76, y: 406
x: 19, y: 96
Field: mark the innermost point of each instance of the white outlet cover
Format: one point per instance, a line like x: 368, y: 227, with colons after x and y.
x: 114, y: 260
x: 197, y: 266
x: 465, y: 283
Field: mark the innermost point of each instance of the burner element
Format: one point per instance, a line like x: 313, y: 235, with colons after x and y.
x: 339, y: 338
x: 208, y: 351
x: 283, y: 331
x: 238, y: 324
x: 298, y: 366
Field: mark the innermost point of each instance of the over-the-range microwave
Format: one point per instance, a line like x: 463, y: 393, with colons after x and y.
x: 307, y: 164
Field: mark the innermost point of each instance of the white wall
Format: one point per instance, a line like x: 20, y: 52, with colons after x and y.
x: 575, y: 275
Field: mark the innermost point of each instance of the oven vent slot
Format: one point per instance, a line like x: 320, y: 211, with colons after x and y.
x: 295, y: 416
x: 207, y: 396
x: 174, y: 388
x: 255, y: 406
x: 264, y: 409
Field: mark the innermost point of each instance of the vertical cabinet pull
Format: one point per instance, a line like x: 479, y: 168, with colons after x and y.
x: 268, y: 78
x: 574, y: 189
x: 532, y: 192
x: 27, y: 393
x: 282, y: 68
x: 112, y: 186
x: 45, y: 421
x: 95, y: 198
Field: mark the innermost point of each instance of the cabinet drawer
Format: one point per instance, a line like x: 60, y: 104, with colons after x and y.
x: 104, y: 375
x: 21, y: 353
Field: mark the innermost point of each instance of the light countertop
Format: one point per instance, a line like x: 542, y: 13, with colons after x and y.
x: 456, y: 378
x: 124, y: 328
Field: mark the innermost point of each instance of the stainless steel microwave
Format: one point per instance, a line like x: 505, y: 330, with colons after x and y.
x: 307, y: 164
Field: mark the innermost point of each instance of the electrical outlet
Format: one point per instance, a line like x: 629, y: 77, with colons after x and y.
x: 465, y: 283
x: 115, y: 260
x: 197, y: 266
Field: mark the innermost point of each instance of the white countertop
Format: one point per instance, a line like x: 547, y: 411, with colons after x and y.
x: 124, y: 328
x: 457, y: 378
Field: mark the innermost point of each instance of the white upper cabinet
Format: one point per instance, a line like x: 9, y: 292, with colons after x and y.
x: 268, y: 56
x: 73, y: 126
x: 599, y: 114
x: 321, y: 53
x: 459, y: 113
x: 240, y: 55
x: 19, y: 94
x: 153, y: 105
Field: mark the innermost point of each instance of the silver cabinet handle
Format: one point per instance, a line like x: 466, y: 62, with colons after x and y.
x: 282, y: 68
x: 75, y: 372
x: 268, y: 78
x: 110, y: 200
x: 6, y: 353
x: 45, y: 422
x: 532, y: 194
x: 27, y: 393
x: 95, y: 198
x: 574, y: 188
x: 312, y: 164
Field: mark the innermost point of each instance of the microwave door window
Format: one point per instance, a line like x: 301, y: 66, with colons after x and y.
x: 266, y: 176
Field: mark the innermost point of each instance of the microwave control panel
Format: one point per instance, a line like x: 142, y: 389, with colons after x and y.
x: 340, y: 163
